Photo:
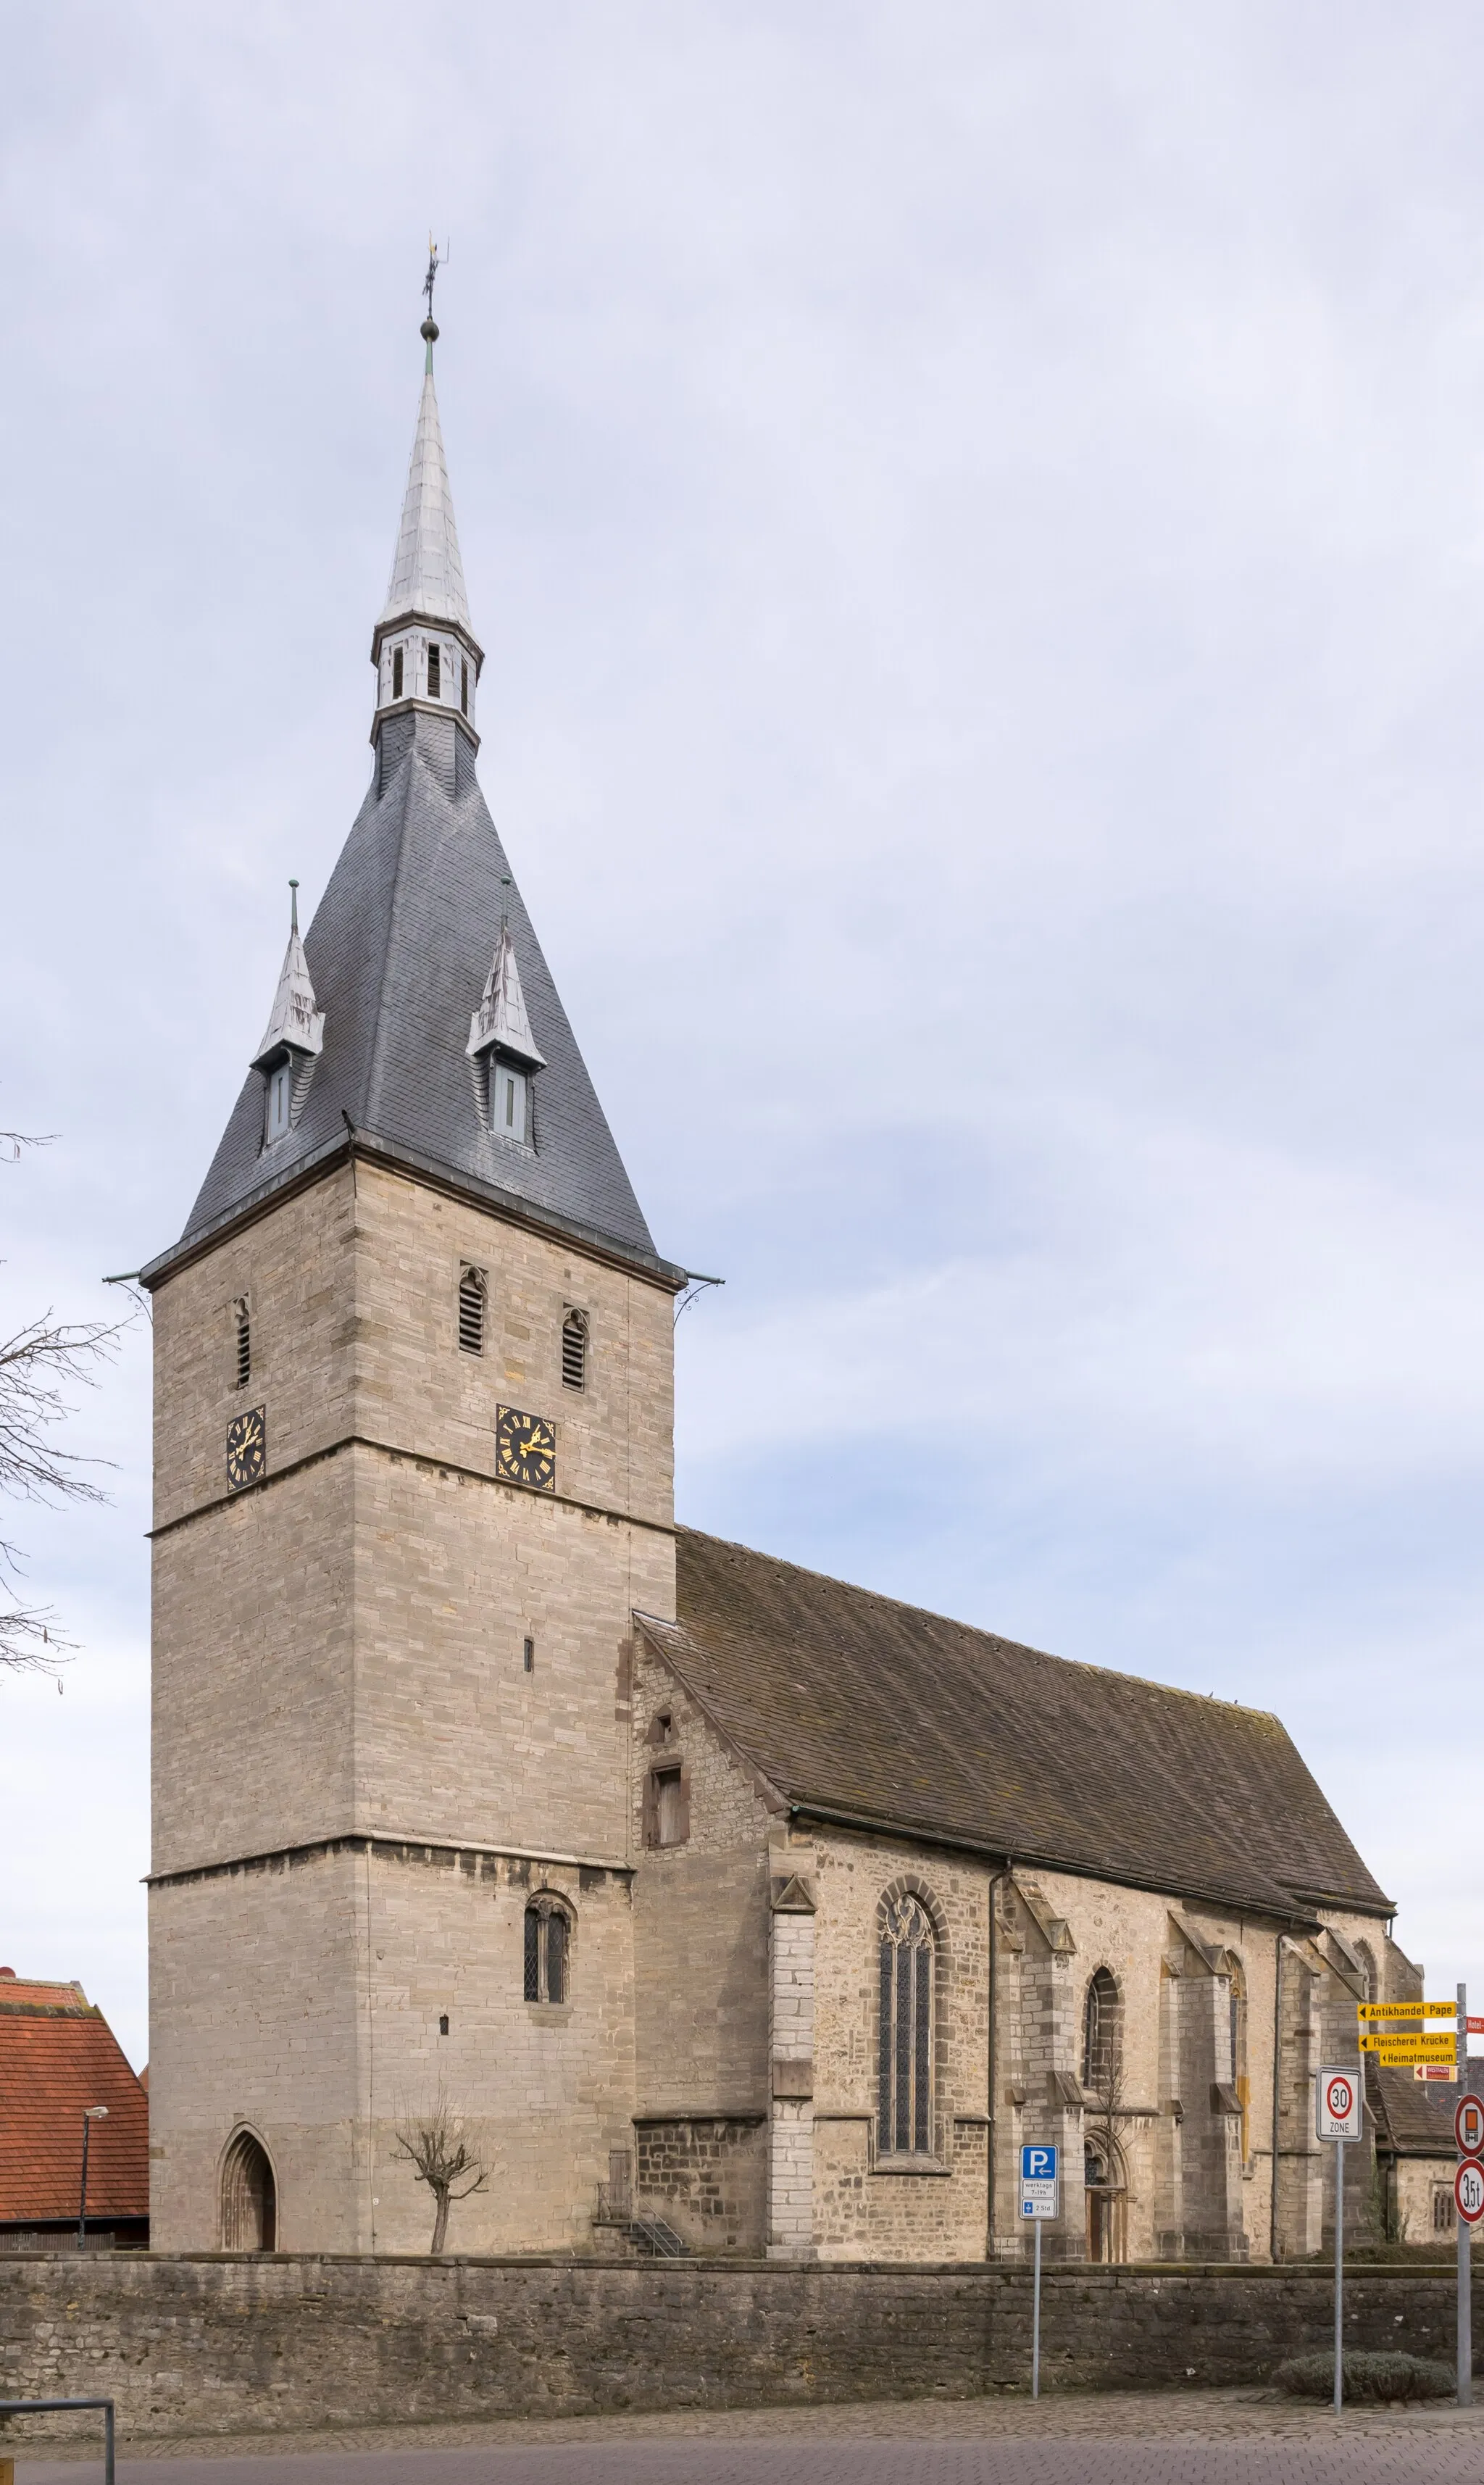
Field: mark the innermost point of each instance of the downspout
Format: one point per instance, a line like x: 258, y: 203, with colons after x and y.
x: 1278, y: 2049
x: 1004, y: 1874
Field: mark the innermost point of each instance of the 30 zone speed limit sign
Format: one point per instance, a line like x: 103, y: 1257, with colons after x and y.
x: 1337, y: 2105
x: 1468, y: 2190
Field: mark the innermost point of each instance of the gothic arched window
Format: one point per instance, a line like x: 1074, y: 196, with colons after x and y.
x: 547, y: 1949
x: 905, y: 2058
x: 1236, y: 2012
x: 1100, y: 2034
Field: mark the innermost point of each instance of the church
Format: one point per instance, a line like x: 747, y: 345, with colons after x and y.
x: 727, y: 1908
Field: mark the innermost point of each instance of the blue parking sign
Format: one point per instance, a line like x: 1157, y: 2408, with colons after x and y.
x: 1039, y: 2165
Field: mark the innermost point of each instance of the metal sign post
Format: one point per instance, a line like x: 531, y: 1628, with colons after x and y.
x: 1463, y: 2124
x: 1337, y: 2118
x: 1040, y: 2198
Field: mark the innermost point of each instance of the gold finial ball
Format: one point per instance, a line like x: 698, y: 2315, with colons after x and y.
x: 430, y: 330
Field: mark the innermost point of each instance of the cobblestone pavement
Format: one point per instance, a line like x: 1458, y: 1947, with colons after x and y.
x: 1186, y: 2438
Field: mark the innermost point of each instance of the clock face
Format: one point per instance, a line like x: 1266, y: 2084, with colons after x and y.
x: 246, y: 1448
x: 526, y: 1449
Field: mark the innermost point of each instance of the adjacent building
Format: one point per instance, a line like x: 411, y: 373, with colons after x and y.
x: 727, y: 1908
x: 62, y: 2069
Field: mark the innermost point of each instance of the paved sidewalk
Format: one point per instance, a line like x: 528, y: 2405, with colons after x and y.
x: 1169, y: 2438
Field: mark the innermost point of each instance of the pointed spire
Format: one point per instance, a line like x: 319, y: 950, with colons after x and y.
x: 427, y: 574
x: 295, y: 1020
x: 499, y: 1023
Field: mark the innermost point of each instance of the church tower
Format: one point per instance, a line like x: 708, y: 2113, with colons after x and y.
x: 413, y: 1475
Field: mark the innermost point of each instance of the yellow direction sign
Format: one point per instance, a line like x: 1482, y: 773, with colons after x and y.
x: 1387, y: 2048
x: 1365, y: 2010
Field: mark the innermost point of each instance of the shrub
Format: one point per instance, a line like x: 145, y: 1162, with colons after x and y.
x: 1367, y: 2376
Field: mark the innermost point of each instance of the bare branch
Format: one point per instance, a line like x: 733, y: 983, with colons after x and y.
x: 32, y: 1363
x: 38, y: 1364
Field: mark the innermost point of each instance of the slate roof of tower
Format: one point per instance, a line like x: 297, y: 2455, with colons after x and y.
x: 399, y: 950
x: 852, y: 1703
x: 398, y: 955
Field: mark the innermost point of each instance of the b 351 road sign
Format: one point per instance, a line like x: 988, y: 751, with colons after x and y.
x: 1468, y: 2190
x: 1469, y: 2126
x: 1040, y: 2164
x: 1338, y: 2104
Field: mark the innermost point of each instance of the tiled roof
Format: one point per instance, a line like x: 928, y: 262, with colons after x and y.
x: 1415, y: 2116
x: 854, y: 1704
x: 58, y: 2056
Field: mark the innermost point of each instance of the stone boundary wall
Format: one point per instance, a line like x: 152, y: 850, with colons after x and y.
x: 217, y: 2343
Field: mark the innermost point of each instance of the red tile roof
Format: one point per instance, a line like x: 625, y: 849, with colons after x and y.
x: 58, y: 2055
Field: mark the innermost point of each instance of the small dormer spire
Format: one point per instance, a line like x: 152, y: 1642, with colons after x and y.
x: 501, y: 1024
x: 296, y: 1024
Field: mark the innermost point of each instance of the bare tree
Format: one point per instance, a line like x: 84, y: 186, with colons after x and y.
x: 36, y: 1365
x: 436, y: 2145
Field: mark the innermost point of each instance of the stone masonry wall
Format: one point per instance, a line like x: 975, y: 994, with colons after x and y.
x: 226, y: 2346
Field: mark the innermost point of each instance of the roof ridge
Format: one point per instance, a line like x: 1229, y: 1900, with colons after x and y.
x: 1198, y: 1700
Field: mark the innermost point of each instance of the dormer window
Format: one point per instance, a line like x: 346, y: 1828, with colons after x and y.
x: 435, y: 673
x: 281, y: 1101
x: 397, y: 672
x: 508, y: 1098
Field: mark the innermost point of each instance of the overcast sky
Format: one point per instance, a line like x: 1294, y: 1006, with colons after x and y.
x: 976, y: 515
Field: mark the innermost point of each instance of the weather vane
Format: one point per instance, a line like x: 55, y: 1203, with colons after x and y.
x: 436, y: 259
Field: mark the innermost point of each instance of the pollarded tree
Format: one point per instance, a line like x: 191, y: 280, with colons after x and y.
x: 436, y: 2145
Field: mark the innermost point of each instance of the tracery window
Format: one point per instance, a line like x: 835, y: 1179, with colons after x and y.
x: 905, y: 2057
x: 548, y: 1948
x: 1100, y: 2033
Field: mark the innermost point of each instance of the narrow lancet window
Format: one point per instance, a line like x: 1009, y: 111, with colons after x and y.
x: 574, y: 1351
x: 397, y: 672
x: 473, y: 1296
x: 242, y: 1340
x: 904, y: 2054
x: 1101, y: 2036
x: 463, y: 687
x: 435, y: 674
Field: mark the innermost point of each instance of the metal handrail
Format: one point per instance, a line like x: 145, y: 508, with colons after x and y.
x: 53, y: 2407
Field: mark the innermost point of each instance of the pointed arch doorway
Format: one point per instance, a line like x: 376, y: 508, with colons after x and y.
x: 249, y: 2201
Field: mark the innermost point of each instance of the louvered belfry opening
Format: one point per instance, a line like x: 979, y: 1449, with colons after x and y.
x: 471, y: 1303
x: 249, y: 2197
x: 242, y: 1340
x: 574, y: 1351
x: 435, y: 673
x: 904, y: 2061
